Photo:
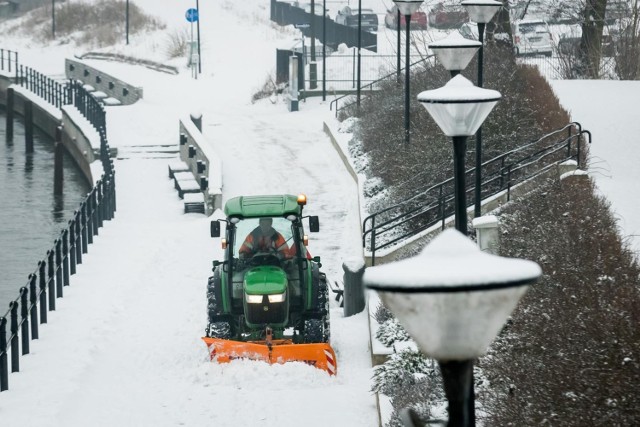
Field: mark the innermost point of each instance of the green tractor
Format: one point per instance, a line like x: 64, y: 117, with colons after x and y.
x: 268, y: 299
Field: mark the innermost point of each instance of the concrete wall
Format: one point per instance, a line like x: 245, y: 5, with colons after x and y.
x: 115, y: 88
x: 47, y: 122
x: 202, y: 151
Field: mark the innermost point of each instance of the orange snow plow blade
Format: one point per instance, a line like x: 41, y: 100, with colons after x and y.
x: 320, y: 355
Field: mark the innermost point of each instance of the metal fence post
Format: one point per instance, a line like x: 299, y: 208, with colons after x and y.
x: 58, y: 248
x: 100, y: 209
x: 24, y: 319
x: 15, y: 349
x: 4, y: 367
x: 51, y: 280
x: 65, y: 256
x: 43, y: 292
x: 33, y: 306
x: 86, y: 236
x: 72, y: 245
x: 353, y: 289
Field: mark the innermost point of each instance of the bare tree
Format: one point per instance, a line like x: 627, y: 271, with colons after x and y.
x: 590, y: 53
x: 627, y: 45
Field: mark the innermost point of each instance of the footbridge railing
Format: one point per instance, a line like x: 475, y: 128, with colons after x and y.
x: 8, y: 61
x: 54, y: 272
x: 395, y: 224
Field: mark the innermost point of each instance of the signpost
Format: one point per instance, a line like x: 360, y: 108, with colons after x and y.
x: 194, y: 57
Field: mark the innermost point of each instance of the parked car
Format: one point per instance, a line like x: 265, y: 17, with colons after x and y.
x: 447, y: 15
x: 531, y: 37
x: 418, y: 19
x: 349, y: 17
x: 317, y: 7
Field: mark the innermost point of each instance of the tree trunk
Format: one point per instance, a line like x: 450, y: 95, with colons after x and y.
x: 591, y: 42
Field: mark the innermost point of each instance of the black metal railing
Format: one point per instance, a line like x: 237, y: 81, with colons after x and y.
x: 54, y: 272
x: 8, y: 61
x: 88, y: 105
x: 370, y: 87
x: 342, y: 68
x: 399, y: 222
x: 55, y: 93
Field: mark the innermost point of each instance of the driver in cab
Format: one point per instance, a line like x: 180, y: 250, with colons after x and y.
x: 264, y: 238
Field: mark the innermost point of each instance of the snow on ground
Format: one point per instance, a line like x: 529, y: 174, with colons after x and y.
x: 124, y: 346
x: 609, y: 109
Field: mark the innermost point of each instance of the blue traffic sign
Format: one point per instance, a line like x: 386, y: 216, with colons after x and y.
x: 191, y: 15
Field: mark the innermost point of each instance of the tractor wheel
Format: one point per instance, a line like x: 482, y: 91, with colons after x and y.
x: 219, y: 323
x: 219, y: 330
x: 313, y: 331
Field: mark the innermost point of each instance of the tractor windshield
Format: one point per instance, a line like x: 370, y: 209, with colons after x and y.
x: 260, y: 235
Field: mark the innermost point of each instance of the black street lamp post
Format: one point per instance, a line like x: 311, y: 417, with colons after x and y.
x: 198, y: 37
x: 459, y: 108
x: 324, y: 51
x: 126, y: 24
x: 407, y: 8
x: 480, y: 12
x: 359, y: 46
x: 453, y: 300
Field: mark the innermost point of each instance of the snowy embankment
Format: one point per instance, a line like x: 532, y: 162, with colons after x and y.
x: 124, y: 346
x: 609, y: 109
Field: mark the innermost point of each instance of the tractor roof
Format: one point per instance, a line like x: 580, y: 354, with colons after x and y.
x: 257, y: 206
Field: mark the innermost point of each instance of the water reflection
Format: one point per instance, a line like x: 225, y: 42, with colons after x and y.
x: 31, y: 216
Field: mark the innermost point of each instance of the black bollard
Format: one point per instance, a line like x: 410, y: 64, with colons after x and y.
x: 4, y: 367
x: 24, y: 319
x: 72, y: 246
x: 51, y: 280
x: 10, y: 113
x: 33, y: 306
x: 58, y: 250
x: 58, y: 174
x: 65, y: 256
x: 43, y: 291
x: 354, y: 301
x: 28, y: 125
x: 15, y: 355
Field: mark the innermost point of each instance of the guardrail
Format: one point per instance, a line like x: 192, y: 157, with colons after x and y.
x: 53, y: 92
x: 371, y: 86
x: 54, y: 272
x: 88, y: 105
x: 8, y: 60
x: 396, y: 223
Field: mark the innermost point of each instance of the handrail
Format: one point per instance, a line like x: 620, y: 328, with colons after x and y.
x: 8, y: 57
x: 435, y: 204
x: 53, y: 273
x: 370, y: 85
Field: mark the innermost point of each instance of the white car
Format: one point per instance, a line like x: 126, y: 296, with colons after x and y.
x: 531, y: 37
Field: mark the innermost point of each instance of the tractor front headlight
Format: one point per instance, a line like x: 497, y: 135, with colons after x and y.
x: 254, y: 299
x: 277, y: 297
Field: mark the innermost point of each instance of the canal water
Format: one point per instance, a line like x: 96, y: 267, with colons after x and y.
x: 31, y: 217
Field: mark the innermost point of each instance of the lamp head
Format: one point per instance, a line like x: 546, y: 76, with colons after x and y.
x: 454, y: 51
x: 452, y: 298
x: 408, y: 7
x: 481, y: 11
x: 459, y: 107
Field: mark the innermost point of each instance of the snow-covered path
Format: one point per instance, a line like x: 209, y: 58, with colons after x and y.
x: 124, y: 346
